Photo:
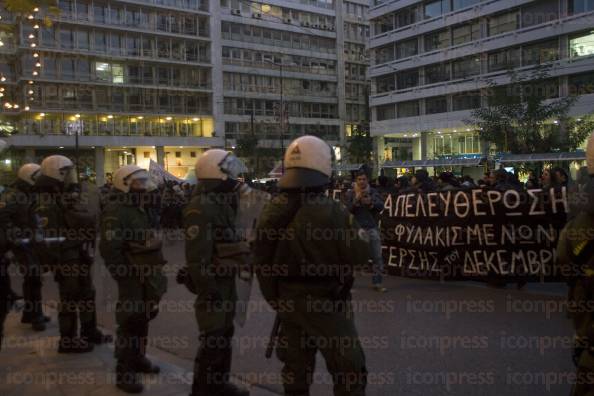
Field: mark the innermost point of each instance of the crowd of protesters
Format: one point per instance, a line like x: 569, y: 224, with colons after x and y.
x: 499, y: 179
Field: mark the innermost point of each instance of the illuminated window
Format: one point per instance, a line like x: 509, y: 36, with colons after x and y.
x: 117, y: 74
x: 582, y: 45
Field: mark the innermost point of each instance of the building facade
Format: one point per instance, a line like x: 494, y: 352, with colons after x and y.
x: 163, y: 80
x: 433, y: 62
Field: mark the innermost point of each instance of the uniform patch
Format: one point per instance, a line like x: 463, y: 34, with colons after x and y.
x: 2, y: 204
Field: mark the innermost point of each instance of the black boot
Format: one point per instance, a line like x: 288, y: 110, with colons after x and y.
x: 143, y: 365
x: 230, y: 389
x: 74, y: 345
x: 127, y: 380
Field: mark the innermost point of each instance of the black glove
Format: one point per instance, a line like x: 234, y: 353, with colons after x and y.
x: 183, y: 278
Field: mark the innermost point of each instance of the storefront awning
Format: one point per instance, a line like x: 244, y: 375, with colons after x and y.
x: 543, y: 157
x: 434, y: 163
x: 347, y: 167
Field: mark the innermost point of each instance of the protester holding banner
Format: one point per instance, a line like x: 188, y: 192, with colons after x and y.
x: 365, y: 203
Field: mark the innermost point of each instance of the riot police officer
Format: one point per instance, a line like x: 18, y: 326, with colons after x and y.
x: 576, y: 251
x: 17, y: 204
x: 209, y: 221
x: 65, y: 230
x: 133, y: 255
x: 306, y: 249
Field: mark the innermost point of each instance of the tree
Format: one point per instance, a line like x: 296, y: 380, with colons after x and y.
x: 247, y: 147
x: 524, y: 117
x: 27, y: 6
x: 359, y: 145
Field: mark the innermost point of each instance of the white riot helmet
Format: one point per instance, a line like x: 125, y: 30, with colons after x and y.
x: 28, y: 173
x: 126, y: 175
x: 59, y: 168
x: 218, y: 164
x: 590, y: 155
x: 308, y: 163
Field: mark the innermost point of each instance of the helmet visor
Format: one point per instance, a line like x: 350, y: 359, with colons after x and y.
x: 232, y: 166
x: 69, y: 174
x: 138, y: 181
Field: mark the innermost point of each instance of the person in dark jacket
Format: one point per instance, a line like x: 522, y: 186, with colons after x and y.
x: 366, y: 204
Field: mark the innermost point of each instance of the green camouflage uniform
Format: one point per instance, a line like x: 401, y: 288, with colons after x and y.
x: 307, y: 276
x: 69, y: 260
x: 17, y: 204
x: 209, y: 219
x: 576, y: 250
x: 125, y: 227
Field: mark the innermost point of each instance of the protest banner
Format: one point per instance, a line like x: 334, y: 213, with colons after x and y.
x: 471, y: 234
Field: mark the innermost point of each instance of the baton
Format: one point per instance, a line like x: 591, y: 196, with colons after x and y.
x: 47, y: 241
x: 273, y: 337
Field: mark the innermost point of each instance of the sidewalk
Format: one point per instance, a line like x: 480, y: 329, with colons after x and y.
x: 31, y: 366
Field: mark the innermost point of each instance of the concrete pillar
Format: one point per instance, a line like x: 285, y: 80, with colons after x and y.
x: 216, y: 73
x: 100, y: 165
x: 423, y: 143
x: 160, y: 155
x: 340, y: 68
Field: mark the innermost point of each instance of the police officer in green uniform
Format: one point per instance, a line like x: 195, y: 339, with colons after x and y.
x: 306, y: 249
x: 17, y: 204
x: 209, y: 220
x: 133, y: 255
x: 576, y: 251
x: 64, y: 232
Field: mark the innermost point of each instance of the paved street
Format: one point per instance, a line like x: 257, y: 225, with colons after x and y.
x: 421, y: 338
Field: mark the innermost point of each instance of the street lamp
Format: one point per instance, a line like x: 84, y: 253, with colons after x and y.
x: 282, y: 112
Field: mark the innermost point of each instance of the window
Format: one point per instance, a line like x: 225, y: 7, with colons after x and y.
x: 82, y: 37
x: 459, y: 4
x: 66, y: 38
x: 99, y: 13
x: 466, y: 67
x: 83, y: 69
x: 117, y: 72
x: 540, y: 12
x: 436, y: 8
x: 385, y: 112
x: 503, y: 23
x: 385, y: 83
x: 539, y: 53
x: 579, y: 6
x: 466, y: 101
x: 582, y: 45
x: 437, y: 40
x: 102, y: 71
x: 48, y: 36
x: 406, y: 17
x: 407, y: 48
x: 581, y: 84
x: 100, y: 41
x: 438, y: 104
x: 408, y: 109
x: 67, y: 69
x: 133, y: 46
x: 505, y: 59
x: 115, y: 45
x: 465, y: 33
x: 437, y: 73
x: 407, y: 79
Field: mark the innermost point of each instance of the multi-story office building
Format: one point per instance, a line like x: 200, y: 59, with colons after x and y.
x: 165, y: 79
x: 132, y: 78
x: 311, y: 53
x: 433, y: 62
